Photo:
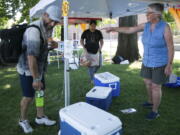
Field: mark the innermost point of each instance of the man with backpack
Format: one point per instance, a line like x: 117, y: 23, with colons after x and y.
x: 32, y: 66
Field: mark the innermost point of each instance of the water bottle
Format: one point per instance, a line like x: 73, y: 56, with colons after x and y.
x: 39, y: 98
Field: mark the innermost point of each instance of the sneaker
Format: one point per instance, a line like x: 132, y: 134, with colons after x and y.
x: 147, y: 104
x: 152, y: 115
x: 25, y: 126
x: 45, y: 121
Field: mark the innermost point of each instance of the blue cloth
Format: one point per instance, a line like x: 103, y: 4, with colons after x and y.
x: 155, y: 47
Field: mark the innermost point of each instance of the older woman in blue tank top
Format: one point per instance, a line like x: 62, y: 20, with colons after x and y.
x: 158, y: 54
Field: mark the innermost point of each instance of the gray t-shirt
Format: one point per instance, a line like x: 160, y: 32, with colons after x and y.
x: 34, y: 47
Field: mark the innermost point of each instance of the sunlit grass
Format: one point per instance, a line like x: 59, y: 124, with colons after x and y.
x: 7, y: 86
x: 1, y: 72
x: 11, y: 69
x: 10, y: 76
x: 135, y: 65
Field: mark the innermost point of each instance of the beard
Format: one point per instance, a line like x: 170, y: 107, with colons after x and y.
x: 47, y: 26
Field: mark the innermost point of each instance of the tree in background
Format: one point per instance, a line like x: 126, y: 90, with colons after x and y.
x: 128, y: 43
x: 168, y: 18
x: 9, y: 9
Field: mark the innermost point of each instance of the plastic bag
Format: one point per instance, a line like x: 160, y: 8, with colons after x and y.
x: 88, y: 59
x: 84, y: 61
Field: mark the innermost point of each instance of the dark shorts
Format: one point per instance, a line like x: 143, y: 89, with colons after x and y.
x: 156, y: 74
x: 26, y: 85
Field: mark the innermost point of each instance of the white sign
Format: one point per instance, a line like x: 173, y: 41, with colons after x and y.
x: 68, y: 49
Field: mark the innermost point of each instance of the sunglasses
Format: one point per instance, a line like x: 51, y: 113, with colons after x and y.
x: 149, y: 13
x: 152, y: 12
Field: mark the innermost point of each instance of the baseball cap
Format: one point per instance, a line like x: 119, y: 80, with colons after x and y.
x: 54, y: 13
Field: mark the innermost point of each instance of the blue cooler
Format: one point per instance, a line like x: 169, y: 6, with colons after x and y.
x: 84, y: 119
x: 173, y: 85
x: 107, y: 79
x: 100, y: 97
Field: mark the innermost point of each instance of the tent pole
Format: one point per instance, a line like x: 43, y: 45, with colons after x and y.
x: 66, y: 61
x: 66, y: 66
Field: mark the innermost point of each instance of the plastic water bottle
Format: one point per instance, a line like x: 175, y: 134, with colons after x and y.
x: 39, y: 98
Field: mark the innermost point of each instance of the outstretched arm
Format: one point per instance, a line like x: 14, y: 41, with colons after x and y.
x: 126, y: 30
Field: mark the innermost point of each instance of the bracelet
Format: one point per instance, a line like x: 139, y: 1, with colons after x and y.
x: 36, y: 80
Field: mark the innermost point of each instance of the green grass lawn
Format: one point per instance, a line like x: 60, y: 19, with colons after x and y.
x: 132, y: 95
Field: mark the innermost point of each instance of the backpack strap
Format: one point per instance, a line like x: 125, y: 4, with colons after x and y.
x: 35, y: 26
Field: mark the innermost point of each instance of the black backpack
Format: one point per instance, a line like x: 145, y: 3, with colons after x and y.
x: 117, y: 59
x: 11, y: 43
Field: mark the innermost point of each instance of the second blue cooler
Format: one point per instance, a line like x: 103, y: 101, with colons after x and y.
x: 100, y: 97
x: 107, y: 79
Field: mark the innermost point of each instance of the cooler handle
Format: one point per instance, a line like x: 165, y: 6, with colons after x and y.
x: 113, y: 85
x: 94, y: 90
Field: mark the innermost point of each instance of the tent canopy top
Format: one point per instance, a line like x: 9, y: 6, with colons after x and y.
x: 98, y: 9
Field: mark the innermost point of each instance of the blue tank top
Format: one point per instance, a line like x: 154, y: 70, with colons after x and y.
x: 155, y: 47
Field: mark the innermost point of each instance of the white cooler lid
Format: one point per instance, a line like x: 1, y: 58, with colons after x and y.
x: 106, y: 77
x: 90, y: 120
x: 99, y: 92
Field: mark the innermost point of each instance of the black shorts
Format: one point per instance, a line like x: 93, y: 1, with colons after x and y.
x: 26, y: 85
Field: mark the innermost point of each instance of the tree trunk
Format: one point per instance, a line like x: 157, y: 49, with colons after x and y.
x: 128, y: 43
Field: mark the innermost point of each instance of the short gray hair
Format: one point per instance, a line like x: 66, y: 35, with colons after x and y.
x: 157, y: 6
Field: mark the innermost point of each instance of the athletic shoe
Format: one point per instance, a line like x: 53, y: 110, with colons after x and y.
x: 25, y: 126
x: 152, y: 115
x: 45, y: 121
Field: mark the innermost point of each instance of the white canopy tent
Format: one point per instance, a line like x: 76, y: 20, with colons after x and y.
x: 92, y: 9
x: 163, y: 1
x: 98, y: 8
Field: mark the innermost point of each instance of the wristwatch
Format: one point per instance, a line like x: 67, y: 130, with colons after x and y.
x: 36, y: 79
